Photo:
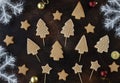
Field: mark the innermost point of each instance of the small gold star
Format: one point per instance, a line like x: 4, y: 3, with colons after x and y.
x: 114, y: 67
x: 57, y: 15
x: 25, y: 25
x: 46, y: 69
x: 90, y: 28
x: 94, y: 65
x: 77, y: 68
x: 8, y: 40
x: 23, y: 69
x: 62, y: 75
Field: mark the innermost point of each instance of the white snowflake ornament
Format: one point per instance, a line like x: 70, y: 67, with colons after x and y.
x: 112, y: 15
x: 6, y: 61
x: 8, y: 8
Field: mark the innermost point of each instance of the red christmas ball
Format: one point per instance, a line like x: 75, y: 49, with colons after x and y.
x: 103, y: 73
x: 92, y: 3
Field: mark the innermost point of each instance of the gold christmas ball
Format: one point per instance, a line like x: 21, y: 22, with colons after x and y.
x: 34, y: 79
x: 41, y: 5
x: 115, y: 55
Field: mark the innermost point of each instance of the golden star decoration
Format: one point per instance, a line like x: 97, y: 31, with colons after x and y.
x: 62, y: 75
x: 25, y: 25
x: 77, y: 68
x: 90, y: 28
x: 94, y: 65
x: 114, y: 67
x: 8, y: 40
x: 46, y: 69
x: 23, y: 69
x: 57, y: 15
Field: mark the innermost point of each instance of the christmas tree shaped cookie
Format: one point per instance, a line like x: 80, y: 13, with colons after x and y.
x: 82, y: 46
x: 32, y: 48
x: 78, y: 11
x: 56, y: 52
x: 68, y: 30
x: 42, y: 30
x: 103, y: 44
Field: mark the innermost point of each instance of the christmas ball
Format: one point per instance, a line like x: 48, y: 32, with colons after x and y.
x: 115, y: 55
x: 41, y: 5
x: 34, y: 79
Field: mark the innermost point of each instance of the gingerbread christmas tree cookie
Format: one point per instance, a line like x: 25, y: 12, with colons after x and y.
x: 32, y: 48
x: 78, y: 12
x: 56, y: 52
x: 82, y: 46
x: 68, y: 30
x: 42, y: 30
x: 103, y: 44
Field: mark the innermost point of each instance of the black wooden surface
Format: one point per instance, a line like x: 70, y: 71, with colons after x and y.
x: 32, y: 14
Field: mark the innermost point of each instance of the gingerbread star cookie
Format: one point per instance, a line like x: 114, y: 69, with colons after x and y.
x: 90, y: 28
x: 62, y: 75
x: 25, y: 25
x: 78, y: 69
x: 57, y: 15
x: 46, y: 69
x: 114, y: 67
x: 94, y: 66
x: 23, y: 69
x: 8, y: 40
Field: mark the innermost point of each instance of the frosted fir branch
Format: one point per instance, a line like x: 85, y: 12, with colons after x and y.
x: 16, y: 8
x: 2, y: 52
x: 4, y: 16
x: 111, y: 13
x: 110, y: 23
x: 5, y: 6
x: 9, y: 78
x: 114, y: 2
x: 109, y: 10
x: 117, y: 32
x: 9, y: 61
x: 6, y: 61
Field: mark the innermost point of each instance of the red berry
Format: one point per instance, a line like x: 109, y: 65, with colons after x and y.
x: 92, y: 3
x: 103, y: 73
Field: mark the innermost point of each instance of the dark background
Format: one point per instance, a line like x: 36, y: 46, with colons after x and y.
x: 32, y: 14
